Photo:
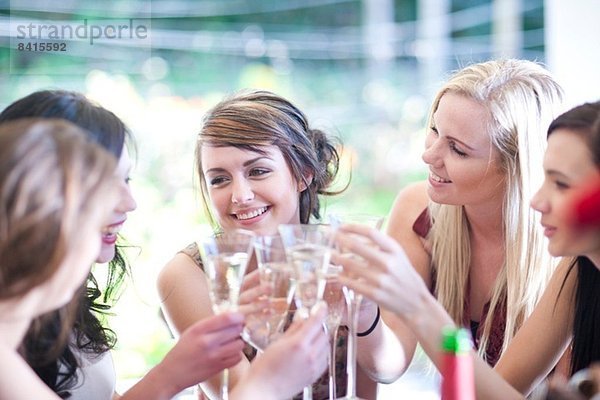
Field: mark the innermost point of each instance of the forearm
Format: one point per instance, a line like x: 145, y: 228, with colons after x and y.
x: 212, y: 387
x: 153, y: 386
x: 428, y: 324
x: 381, y: 355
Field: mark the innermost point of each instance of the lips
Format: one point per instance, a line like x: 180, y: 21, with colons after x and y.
x: 549, y: 230
x: 110, y: 232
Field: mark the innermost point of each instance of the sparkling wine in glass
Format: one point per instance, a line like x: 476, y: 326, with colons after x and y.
x: 353, y: 299
x: 276, y: 273
x: 225, y: 257
x: 309, y: 249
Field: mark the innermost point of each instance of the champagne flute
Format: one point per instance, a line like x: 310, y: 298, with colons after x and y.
x: 353, y: 299
x: 309, y: 249
x: 334, y: 297
x: 276, y: 273
x: 225, y: 257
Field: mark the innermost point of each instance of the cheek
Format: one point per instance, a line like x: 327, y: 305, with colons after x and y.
x: 218, y: 201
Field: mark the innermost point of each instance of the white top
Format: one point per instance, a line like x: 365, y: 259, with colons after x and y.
x: 96, y: 379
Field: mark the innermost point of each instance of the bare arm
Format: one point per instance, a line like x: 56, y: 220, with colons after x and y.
x: 395, y: 285
x: 544, y: 337
x: 409, y: 204
x: 183, y: 289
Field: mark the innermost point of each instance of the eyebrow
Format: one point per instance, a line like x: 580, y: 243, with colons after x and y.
x: 435, y: 126
x: 555, y: 173
x: 459, y: 141
x: 245, y: 164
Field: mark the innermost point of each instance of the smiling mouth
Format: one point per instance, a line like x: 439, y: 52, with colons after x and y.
x: 251, y: 214
x: 438, y: 178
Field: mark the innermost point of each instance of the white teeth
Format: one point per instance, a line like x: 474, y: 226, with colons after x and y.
x: 438, y: 178
x: 112, y: 230
x: 252, y: 214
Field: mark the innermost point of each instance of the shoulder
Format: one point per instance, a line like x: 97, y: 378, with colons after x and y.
x: 408, y: 206
x: 184, y: 266
x: 411, y: 200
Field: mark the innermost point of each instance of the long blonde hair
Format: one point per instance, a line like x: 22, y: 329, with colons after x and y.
x: 521, y: 99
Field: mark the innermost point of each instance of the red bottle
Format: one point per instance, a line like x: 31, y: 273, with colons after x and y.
x: 457, y: 365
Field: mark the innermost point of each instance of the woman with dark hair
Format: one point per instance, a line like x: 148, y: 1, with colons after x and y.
x: 569, y: 309
x: 83, y: 369
x: 261, y: 164
x: 57, y: 191
x: 89, y: 336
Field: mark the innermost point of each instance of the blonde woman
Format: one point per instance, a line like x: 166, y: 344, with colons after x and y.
x: 568, y: 311
x: 468, y: 230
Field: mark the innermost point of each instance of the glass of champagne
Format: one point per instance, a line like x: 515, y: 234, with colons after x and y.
x: 334, y: 297
x: 276, y: 273
x: 225, y: 257
x: 309, y: 249
x: 353, y: 299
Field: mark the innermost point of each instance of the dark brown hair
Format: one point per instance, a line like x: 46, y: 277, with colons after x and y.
x: 250, y: 120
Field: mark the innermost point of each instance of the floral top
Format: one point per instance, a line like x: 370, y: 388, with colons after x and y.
x: 321, y: 386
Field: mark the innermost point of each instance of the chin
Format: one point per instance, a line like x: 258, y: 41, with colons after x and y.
x: 107, y: 253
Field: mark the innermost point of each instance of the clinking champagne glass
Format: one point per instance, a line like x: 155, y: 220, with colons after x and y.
x: 225, y: 257
x: 309, y: 249
x: 353, y: 299
x: 334, y: 297
x: 276, y: 273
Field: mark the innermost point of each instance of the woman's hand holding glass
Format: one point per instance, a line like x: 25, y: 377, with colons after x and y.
x: 225, y: 257
x: 353, y: 300
x: 203, y: 350
x: 292, y: 362
x: 269, y: 291
x: 390, y: 280
x: 308, y: 247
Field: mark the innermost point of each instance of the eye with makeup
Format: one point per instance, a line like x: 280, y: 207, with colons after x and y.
x: 561, y: 185
x: 217, y: 180
x: 456, y: 150
x: 258, y: 172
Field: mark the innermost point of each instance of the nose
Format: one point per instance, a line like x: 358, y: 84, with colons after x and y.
x: 126, y: 203
x: 241, y: 192
x: 539, y: 202
x: 432, y: 154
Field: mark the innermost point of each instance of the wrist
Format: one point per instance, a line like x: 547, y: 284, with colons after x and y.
x: 427, y: 314
x: 371, y: 328
x: 163, y: 385
x: 249, y: 385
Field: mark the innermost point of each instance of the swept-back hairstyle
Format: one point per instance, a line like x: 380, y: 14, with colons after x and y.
x: 584, y: 120
x: 52, y: 181
x: 42, y: 347
x: 250, y: 120
x: 521, y: 98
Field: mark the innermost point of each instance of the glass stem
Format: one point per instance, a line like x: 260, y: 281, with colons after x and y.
x: 307, y: 393
x: 353, y: 302
x: 332, y: 381
x: 225, y: 385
